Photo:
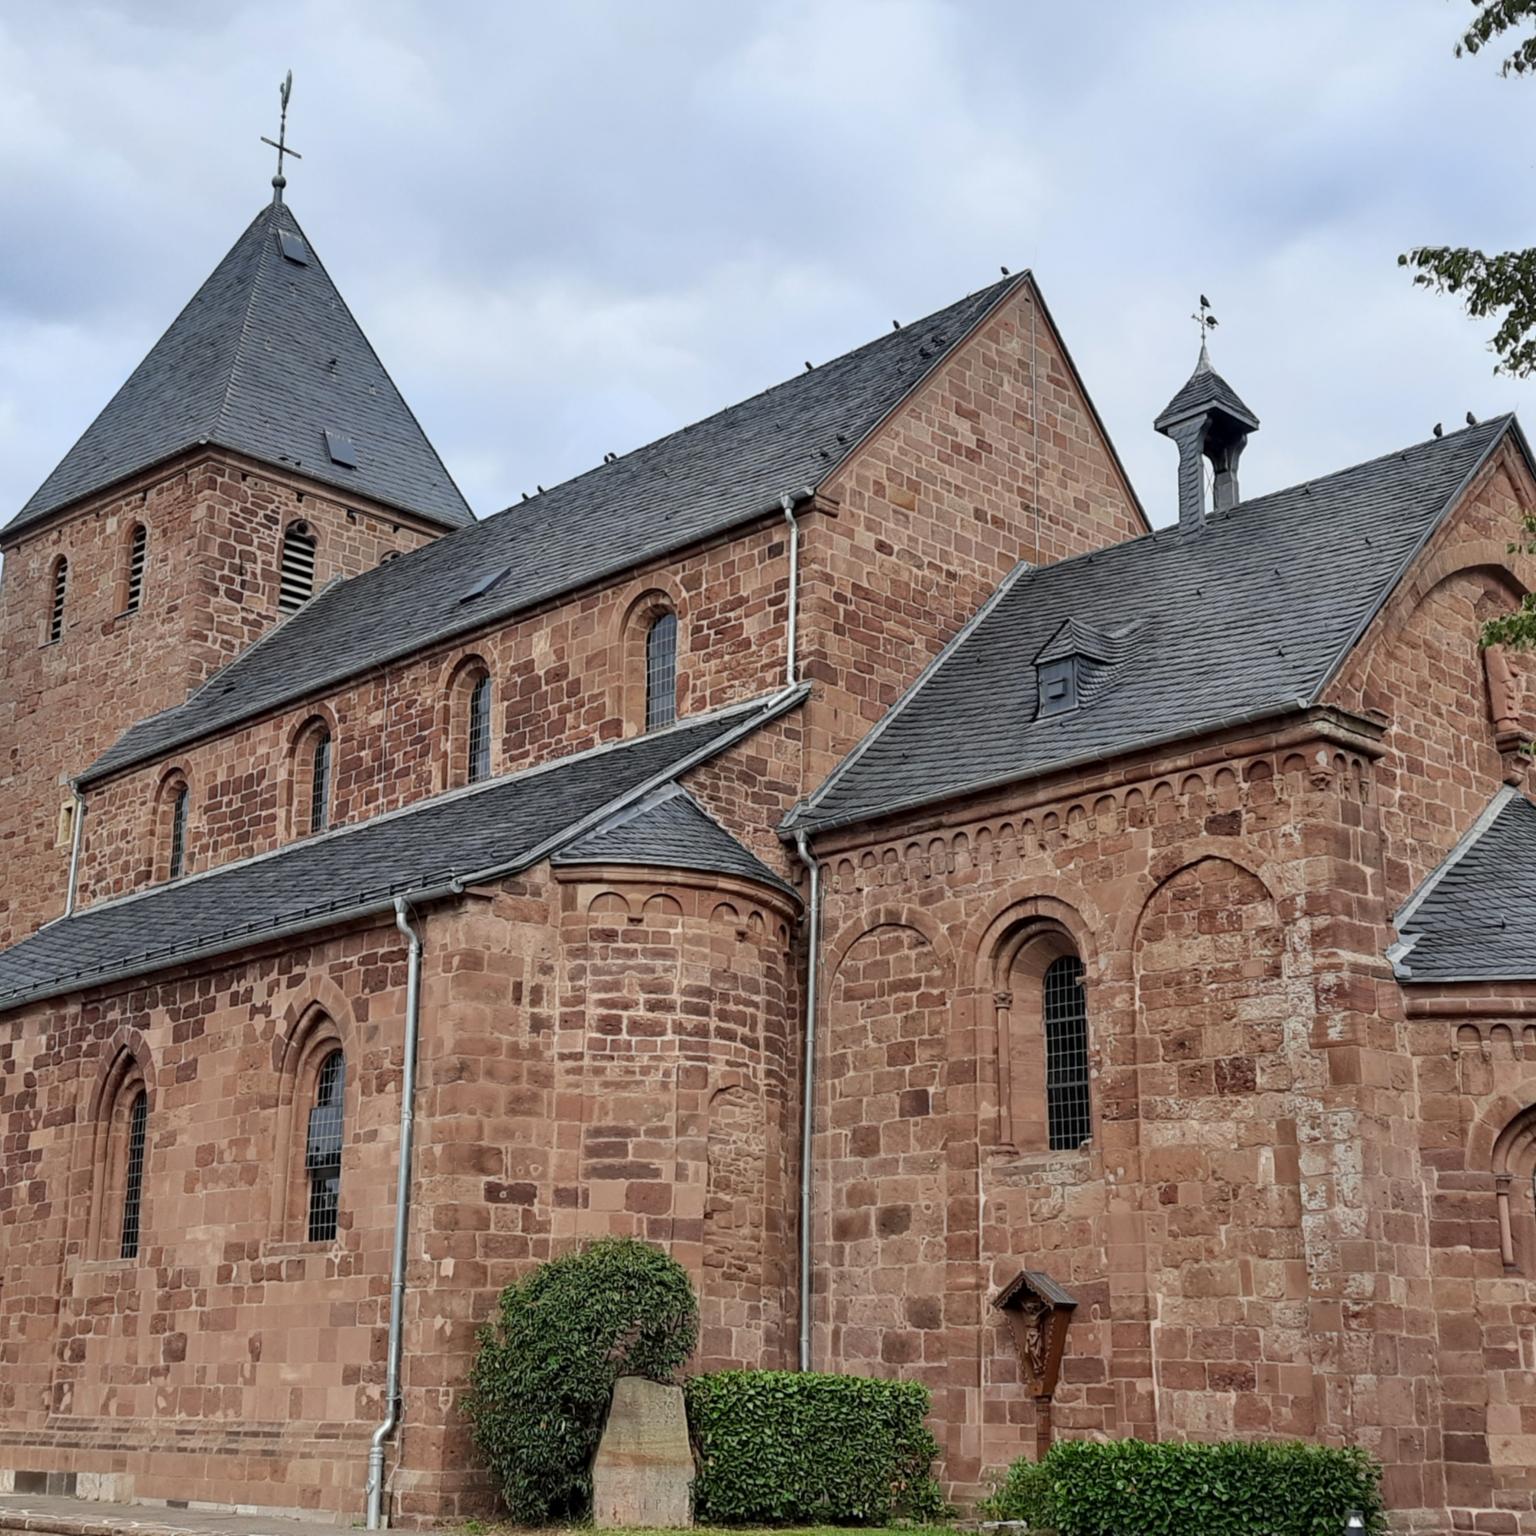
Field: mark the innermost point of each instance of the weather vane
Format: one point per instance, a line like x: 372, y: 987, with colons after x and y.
x: 280, y: 143
x: 1205, y: 319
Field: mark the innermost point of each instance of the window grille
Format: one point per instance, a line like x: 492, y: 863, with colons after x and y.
x: 1066, y: 1055
x: 320, y: 784
x: 133, y: 1176
x: 297, y: 580
x: 178, y: 860
x: 480, y: 731
x: 60, y: 592
x: 661, y: 672
x: 138, y: 549
x: 322, y: 1148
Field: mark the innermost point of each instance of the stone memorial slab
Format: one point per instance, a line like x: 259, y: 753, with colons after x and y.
x: 642, y: 1474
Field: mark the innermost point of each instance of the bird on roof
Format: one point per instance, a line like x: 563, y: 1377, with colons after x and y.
x: 809, y: 367
x: 895, y: 325
x: 1439, y: 430
x: 1471, y: 419
x: 1004, y: 271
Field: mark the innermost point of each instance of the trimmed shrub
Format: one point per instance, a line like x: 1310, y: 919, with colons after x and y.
x: 777, y: 1447
x: 544, y: 1374
x: 1231, y: 1488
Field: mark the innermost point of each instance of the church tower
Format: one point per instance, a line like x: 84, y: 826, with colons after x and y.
x: 258, y: 452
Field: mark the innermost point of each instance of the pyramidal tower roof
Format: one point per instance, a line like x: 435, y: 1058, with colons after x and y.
x: 266, y: 360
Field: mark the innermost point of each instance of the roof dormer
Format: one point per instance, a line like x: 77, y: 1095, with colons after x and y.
x: 1076, y: 663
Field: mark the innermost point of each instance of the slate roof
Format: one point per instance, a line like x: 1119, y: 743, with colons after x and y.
x: 1250, y: 616
x: 670, y: 829
x: 1474, y: 918
x: 491, y: 829
x: 265, y: 359
x: 707, y: 478
x: 1203, y: 389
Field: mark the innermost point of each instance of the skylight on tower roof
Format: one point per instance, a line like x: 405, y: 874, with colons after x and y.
x: 340, y: 448
x: 293, y: 247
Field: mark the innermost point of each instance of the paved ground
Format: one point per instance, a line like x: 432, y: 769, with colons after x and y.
x: 88, y: 1517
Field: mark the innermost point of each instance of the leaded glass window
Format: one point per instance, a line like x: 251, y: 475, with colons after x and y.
x: 661, y: 672
x: 1066, y: 1055
x: 178, y: 859
x: 320, y: 783
x: 480, y: 731
x: 133, y: 1176
x: 322, y: 1148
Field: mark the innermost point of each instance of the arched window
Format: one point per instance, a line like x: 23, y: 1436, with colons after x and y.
x: 138, y: 552
x: 320, y: 781
x: 322, y: 1148
x: 56, y: 604
x: 661, y: 671
x: 296, y: 579
x: 176, y: 851
x: 133, y: 1176
x: 121, y: 1150
x: 1068, y: 1115
x: 479, y: 743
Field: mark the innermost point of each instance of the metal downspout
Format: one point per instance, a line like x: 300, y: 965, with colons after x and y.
x: 808, y: 1090
x: 402, y: 1222
x: 787, y: 501
x: 77, y: 838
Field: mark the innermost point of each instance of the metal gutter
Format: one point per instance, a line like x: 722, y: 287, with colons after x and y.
x: 787, y: 501
x: 402, y: 1222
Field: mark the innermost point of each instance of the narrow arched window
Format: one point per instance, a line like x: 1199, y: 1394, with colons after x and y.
x: 133, y: 1176
x: 138, y: 553
x: 320, y: 781
x: 60, y: 595
x: 322, y: 1148
x: 661, y: 672
x: 296, y: 579
x: 479, y: 764
x: 1065, y: 1012
x: 176, y: 861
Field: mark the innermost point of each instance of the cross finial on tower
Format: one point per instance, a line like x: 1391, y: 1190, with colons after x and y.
x: 1207, y: 323
x: 280, y: 143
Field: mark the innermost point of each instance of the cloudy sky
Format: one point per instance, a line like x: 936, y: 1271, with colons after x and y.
x: 569, y: 228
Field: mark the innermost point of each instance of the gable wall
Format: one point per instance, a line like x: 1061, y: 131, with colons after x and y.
x: 210, y: 586
x: 1420, y: 667
x: 968, y: 477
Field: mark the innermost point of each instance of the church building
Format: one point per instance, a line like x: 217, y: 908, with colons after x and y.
x: 1087, y: 969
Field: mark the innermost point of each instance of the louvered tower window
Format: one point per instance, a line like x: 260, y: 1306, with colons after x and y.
x: 320, y: 782
x: 133, y: 1176
x: 661, y: 672
x: 480, y: 731
x: 1066, y: 1055
x: 60, y: 593
x: 322, y: 1148
x: 178, y: 859
x: 297, y: 578
x: 138, y: 551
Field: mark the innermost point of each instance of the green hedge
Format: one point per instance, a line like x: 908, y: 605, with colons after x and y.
x: 541, y: 1382
x: 1231, y: 1488
x: 776, y: 1447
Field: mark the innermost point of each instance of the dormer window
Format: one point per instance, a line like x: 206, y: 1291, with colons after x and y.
x: 1077, y: 663
x: 1058, y: 686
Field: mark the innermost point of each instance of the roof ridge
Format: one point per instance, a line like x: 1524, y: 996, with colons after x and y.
x: 795, y: 378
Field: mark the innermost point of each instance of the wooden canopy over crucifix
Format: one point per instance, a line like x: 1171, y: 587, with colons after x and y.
x: 1039, y: 1312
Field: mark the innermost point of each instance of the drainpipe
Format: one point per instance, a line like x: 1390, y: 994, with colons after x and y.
x: 77, y: 837
x: 402, y: 1221
x: 787, y: 501
x: 808, y: 1086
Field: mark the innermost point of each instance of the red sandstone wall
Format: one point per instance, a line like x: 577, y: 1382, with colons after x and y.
x: 1216, y: 1227
x: 210, y: 587
x: 229, y: 1361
